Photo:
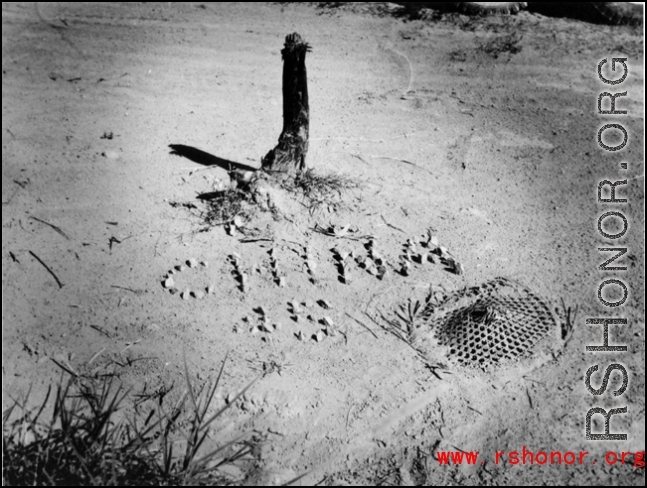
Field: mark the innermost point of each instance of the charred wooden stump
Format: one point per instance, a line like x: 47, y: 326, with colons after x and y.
x: 289, y: 155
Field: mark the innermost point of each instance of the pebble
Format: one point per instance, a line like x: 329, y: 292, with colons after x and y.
x: 325, y: 304
x: 173, y: 290
x: 278, y: 327
x: 238, y: 221
x: 381, y: 272
x: 180, y: 268
x: 205, y: 264
x: 186, y: 294
x: 169, y: 283
x: 300, y: 335
x: 434, y: 241
x: 296, y: 308
x: 328, y: 321
x: 319, y: 336
x: 211, y: 289
x: 282, y: 281
x: 311, y: 264
x: 198, y: 294
x: 192, y: 263
x: 443, y: 251
x: 432, y: 258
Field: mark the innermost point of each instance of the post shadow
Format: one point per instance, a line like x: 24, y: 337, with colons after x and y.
x: 206, y: 159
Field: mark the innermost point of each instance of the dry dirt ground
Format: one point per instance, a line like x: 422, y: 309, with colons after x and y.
x: 483, y: 130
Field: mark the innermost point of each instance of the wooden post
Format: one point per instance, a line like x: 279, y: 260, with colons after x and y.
x: 289, y: 155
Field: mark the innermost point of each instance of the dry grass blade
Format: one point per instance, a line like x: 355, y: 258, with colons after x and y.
x: 298, y: 478
x: 569, y: 321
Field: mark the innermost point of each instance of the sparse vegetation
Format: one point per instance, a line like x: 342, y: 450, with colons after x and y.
x: 224, y: 206
x: 88, y: 442
x: 318, y: 189
x: 508, y: 43
x: 314, y: 190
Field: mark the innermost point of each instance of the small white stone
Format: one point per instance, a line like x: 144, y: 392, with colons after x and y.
x: 211, y: 289
x: 311, y: 264
x: 186, y: 294
x: 443, y: 251
x: 278, y: 327
x: 198, y: 294
x: 238, y: 221
x: 319, y: 336
x: 282, y: 281
x: 169, y: 283
x: 205, y: 264
x: 300, y: 335
x: 328, y: 321
x: 434, y: 241
x: 296, y: 308
x: 192, y: 263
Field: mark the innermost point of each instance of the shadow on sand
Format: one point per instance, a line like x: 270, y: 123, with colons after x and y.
x: 206, y: 159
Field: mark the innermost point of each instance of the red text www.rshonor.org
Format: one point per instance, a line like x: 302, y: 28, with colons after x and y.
x: 527, y: 457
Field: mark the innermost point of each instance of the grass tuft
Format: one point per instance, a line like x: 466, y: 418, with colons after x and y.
x: 317, y: 189
x: 87, y: 440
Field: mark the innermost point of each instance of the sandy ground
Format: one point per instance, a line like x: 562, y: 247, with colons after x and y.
x: 505, y: 171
